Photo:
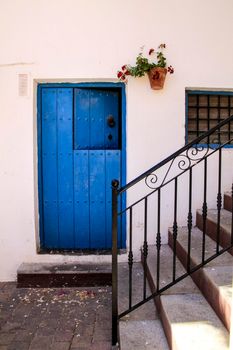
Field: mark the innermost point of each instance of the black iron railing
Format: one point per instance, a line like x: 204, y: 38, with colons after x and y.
x: 155, y: 181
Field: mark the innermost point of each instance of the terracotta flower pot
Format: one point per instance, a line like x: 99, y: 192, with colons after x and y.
x: 157, y: 77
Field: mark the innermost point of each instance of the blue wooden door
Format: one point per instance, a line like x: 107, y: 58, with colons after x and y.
x: 80, y: 155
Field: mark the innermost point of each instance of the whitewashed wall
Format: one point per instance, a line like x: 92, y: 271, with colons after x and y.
x: 89, y: 40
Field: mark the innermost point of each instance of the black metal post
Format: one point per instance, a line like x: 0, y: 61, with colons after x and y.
x: 175, y: 230
x: 204, y: 211
x: 219, y: 200
x: 115, y: 184
x: 130, y: 256
x: 190, y: 220
x: 145, y: 250
x: 158, y: 239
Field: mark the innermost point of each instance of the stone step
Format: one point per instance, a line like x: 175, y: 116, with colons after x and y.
x: 188, y: 320
x: 49, y: 275
x: 142, y: 335
x: 215, y: 279
x: 141, y: 328
x: 166, y: 272
x: 211, y: 225
x: 146, y: 311
x: 227, y: 201
x: 190, y: 323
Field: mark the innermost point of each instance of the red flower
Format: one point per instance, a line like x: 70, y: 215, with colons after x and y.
x: 119, y: 74
x: 151, y: 51
x: 127, y: 72
x: 124, y: 67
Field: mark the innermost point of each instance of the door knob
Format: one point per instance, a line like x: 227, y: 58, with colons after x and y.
x: 111, y: 121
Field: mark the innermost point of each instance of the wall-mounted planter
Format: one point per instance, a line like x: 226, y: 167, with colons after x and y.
x: 155, y: 69
x: 157, y: 77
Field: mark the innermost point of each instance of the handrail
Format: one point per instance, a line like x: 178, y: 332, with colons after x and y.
x: 182, y: 161
x: 170, y: 180
x: 174, y: 155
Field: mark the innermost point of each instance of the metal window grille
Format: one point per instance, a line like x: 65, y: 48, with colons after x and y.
x: 204, y: 111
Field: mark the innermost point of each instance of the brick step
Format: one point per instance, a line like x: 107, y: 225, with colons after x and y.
x: 188, y: 320
x: 49, y: 275
x: 211, y: 225
x: 227, y: 201
x: 215, y: 279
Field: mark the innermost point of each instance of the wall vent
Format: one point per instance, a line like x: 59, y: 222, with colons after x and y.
x: 23, y: 80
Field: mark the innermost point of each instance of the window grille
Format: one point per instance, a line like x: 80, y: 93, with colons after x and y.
x: 205, y: 109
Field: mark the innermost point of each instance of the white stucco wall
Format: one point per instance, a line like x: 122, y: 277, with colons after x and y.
x: 81, y: 40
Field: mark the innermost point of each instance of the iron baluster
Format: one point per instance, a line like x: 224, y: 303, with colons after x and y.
x: 115, y: 184
x: 198, y: 110
x: 175, y: 230
x: 145, y: 250
x: 190, y: 219
x: 158, y: 240
x: 219, y: 200
x: 208, y: 117
x: 229, y: 124
x: 204, y: 211
x: 130, y: 258
x: 219, y: 119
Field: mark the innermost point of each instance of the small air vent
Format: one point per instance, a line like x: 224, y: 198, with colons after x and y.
x: 23, y: 79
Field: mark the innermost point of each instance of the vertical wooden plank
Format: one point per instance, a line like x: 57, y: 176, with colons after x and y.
x: 81, y: 199
x: 112, y: 169
x: 65, y: 167
x: 111, y: 134
x: 39, y: 150
x: 81, y: 120
x: 97, y: 198
x: 122, y: 118
x: 113, y: 159
x: 97, y: 101
x: 49, y: 167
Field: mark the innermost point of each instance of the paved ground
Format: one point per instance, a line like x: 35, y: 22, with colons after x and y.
x: 55, y: 319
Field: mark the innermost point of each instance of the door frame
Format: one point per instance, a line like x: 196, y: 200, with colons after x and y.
x: 95, y: 85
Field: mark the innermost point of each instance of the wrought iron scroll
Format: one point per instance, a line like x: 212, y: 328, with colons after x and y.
x: 178, y: 165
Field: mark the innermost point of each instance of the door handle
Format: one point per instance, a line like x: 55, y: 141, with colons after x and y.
x: 111, y: 121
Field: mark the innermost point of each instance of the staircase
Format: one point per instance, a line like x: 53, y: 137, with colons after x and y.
x: 196, y: 312
x: 190, y: 278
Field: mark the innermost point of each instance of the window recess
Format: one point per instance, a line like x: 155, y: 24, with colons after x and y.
x: 204, y: 110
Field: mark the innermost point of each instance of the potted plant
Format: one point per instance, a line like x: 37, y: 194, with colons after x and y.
x: 156, y: 70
